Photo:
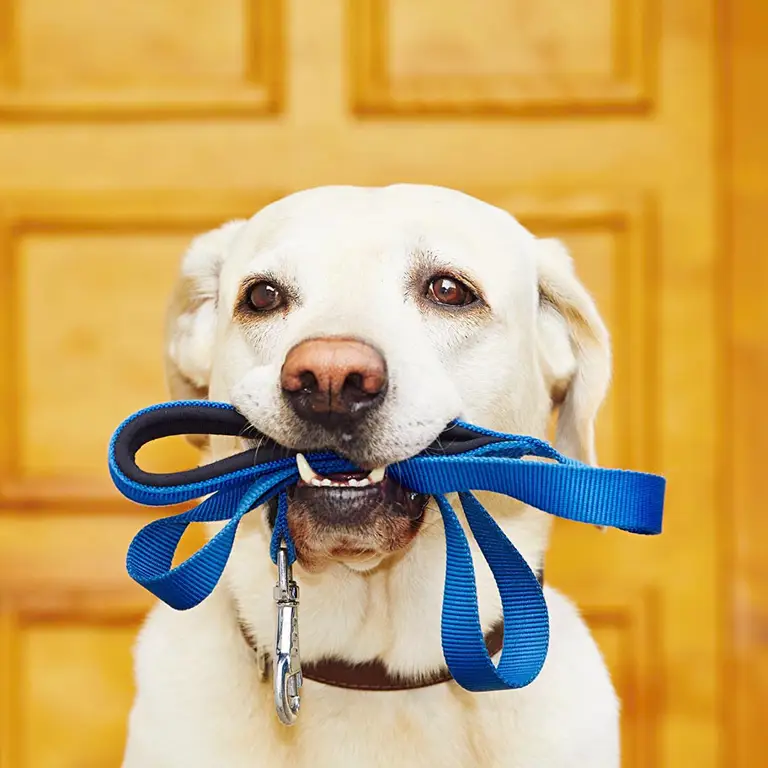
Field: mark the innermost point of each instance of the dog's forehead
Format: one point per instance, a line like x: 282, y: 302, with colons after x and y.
x: 343, y: 225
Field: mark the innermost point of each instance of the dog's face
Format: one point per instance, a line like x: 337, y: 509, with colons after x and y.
x: 365, y: 320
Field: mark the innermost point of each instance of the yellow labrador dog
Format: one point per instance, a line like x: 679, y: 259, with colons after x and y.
x: 363, y: 320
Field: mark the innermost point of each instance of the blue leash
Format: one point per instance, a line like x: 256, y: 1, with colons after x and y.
x: 465, y: 458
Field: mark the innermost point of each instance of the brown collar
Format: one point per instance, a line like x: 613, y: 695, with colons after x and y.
x: 371, y: 675
x: 374, y: 676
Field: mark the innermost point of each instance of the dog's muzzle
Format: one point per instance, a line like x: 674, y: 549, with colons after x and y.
x: 465, y: 458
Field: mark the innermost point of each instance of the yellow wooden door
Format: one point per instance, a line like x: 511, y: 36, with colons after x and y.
x: 125, y: 128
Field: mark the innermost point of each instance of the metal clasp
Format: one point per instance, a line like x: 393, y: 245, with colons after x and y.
x: 287, y: 664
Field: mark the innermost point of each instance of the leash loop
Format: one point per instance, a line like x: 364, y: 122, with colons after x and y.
x: 526, y: 622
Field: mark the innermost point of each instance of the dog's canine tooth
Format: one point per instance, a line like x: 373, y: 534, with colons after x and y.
x: 376, y: 475
x: 307, y: 474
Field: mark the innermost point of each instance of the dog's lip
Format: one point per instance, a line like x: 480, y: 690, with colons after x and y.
x: 256, y: 437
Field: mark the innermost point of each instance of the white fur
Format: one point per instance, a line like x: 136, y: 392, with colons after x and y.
x: 200, y: 701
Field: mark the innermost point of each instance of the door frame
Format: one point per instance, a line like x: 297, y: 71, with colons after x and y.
x: 742, y: 321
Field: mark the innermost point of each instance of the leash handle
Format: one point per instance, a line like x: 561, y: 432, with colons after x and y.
x: 186, y: 417
x: 205, y: 417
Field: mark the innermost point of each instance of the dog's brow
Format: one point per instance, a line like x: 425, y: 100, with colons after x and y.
x: 424, y: 256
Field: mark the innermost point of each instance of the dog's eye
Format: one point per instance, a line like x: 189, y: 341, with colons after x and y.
x: 263, y: 297
x: 450, y: 291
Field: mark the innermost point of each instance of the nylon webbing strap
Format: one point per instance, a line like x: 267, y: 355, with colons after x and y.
x: 465, y: 458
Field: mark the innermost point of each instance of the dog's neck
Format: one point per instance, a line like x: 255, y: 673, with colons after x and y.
x: 392, y: 612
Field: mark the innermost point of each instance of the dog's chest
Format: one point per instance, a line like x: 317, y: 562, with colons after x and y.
x: 442, y: 725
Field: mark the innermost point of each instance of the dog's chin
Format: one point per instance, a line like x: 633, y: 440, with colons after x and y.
x: 363, y: 564
x: 358, y: 527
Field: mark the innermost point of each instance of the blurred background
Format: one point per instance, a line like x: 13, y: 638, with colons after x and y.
x: 633, y: 129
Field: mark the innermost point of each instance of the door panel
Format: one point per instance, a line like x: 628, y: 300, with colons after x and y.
x: 514, y: 58
x: 90, y: 60
x: 120, y: 141
x: 68, y: 682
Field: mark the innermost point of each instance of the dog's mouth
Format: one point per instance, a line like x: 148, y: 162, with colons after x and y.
x: 354, y: 499
x: 357, y: 518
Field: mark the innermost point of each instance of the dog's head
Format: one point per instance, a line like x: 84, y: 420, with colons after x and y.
x: 365, y: 320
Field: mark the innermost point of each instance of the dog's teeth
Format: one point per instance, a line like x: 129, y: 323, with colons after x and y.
x: 310, y: 477
x: 376, y: 475
x: 307, y: 474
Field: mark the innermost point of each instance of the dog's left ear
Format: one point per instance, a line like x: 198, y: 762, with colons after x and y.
x: 574, y: 350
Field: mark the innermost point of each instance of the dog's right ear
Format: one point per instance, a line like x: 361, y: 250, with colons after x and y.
x: 574, y: 350
x: 190, y: 331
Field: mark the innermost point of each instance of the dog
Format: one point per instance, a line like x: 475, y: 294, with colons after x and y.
x: 364, y: 320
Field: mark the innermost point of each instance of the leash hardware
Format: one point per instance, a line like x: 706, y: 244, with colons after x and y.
x: 287, y: 676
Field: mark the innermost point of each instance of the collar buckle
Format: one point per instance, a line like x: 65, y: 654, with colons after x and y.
x: 287, y: 677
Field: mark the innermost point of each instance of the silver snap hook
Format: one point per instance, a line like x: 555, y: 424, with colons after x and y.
x: 287, y: 663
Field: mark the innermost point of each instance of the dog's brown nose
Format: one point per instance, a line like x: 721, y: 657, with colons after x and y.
x: 333, y: 381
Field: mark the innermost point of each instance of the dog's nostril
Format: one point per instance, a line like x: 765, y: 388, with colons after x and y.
x: 308, y: 382
x: 354, y: 381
